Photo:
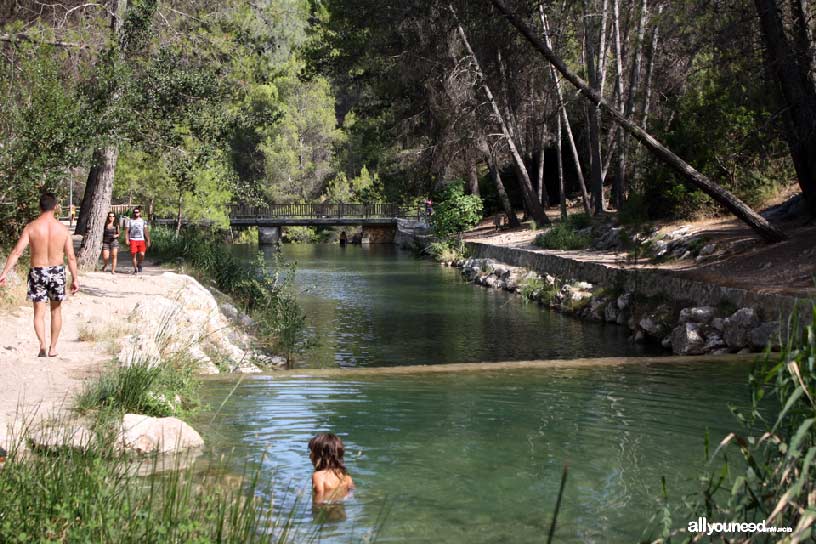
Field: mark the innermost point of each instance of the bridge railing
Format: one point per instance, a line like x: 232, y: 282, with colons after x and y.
x: 338, y: 210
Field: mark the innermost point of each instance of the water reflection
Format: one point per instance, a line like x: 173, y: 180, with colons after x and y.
x: 379, y: 306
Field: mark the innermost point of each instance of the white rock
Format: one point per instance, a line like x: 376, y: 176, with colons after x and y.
x: 59, y: 436
x: 624, y: 301
x: 144, y: 434
x: 697, y: 314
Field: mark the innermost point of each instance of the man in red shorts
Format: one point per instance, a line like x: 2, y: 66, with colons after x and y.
x: 137, y: 236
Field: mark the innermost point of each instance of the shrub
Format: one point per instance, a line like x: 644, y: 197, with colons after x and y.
x: 445, y: 252
x: 562, y: 236
x: 300, y: 235
x: 455, y: 212
x: 579, y: 221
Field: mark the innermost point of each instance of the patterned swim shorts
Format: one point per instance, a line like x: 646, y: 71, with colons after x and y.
x: 46, y: 283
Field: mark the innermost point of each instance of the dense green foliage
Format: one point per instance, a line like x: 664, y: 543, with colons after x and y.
x: 565, y: 235
x: 455, y: 212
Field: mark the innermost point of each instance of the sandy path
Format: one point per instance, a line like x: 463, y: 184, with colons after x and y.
x: 33, y: 385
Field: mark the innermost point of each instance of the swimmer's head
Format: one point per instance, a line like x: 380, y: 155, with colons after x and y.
x: 326, y: 451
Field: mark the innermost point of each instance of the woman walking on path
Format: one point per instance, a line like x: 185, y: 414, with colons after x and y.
x: 110, y: 243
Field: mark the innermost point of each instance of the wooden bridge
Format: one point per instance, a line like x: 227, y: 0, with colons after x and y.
x: 326, y: 214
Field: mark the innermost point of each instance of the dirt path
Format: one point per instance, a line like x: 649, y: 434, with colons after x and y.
x: 32, y: 385
x: 786, y: 268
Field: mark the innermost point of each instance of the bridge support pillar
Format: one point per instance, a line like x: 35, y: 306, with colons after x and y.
x: 379, y: 234
x: 269, y: 235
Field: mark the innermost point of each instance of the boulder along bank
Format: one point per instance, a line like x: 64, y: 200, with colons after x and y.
x: 685, y: 316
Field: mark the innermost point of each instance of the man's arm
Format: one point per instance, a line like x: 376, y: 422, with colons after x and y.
x: 127, y: 234
x: 72, y: 264
x: 15, y: 255
x: 147, y: 234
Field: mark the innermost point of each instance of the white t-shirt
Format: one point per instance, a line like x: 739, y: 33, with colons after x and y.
x: 137, y: 229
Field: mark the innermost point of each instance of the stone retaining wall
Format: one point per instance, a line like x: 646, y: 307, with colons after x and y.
x: 648, y: 282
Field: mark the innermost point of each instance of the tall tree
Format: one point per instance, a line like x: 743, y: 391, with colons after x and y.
x: 530, y: 199
x: 662, y: 153
x: 792, y: 62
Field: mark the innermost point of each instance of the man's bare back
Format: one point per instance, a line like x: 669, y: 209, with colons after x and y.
x: 49, y: 239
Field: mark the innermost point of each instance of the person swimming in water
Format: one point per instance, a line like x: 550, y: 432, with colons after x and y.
x: 330, y: 480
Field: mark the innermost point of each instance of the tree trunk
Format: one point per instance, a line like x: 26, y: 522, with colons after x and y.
x: 634, y: 84
x: 543, y: 197
x: 647, y: 91
x: 178, y: 214
x: 792, y: 72
x: 619, y: 187
x: 512, y: 220
x: 97, y: 196
x: 665, y: 155
x: 596, y: 70
x: 565, y: 117
x: 473, y: 177
x: 90, y: 190
x: 562, y: 193
x: 531, y: 202
x: 91, y: 247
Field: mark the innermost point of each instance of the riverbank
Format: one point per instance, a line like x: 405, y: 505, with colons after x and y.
x: 704, y: 287
x: 114, y: 320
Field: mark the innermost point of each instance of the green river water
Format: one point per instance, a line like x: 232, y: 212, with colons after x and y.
x: 469, y: 457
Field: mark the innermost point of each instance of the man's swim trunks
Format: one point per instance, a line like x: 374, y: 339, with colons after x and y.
x: 46, y: 283
x: 137, y: 246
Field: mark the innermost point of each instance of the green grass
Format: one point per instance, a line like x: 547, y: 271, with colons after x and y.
x: 563, y: 236
x: 98, y: 496
x: 538, y: 289
x: 444, y: 252
x: 166, y: 389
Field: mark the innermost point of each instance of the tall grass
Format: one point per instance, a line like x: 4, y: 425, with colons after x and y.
x: 772, y: 479
x: 98, y: 496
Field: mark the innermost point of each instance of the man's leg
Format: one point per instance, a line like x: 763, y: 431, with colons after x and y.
x: 134, y: 254
x: 56, y: 325
x: 39, y: 323
x: 141, y: 259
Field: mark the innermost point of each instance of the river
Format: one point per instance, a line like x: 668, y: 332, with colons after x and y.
x: 469, y: 457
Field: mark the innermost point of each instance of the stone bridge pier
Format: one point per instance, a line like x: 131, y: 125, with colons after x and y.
x: 269, y: 235
x: 379, y: 234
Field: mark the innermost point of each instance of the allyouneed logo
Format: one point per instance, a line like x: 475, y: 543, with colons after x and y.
x: 701, y: 525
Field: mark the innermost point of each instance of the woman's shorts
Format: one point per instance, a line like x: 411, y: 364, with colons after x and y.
x: 108, y: 246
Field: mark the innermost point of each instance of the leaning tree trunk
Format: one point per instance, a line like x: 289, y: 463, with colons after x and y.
x: 543, y: 197
x: 565, y: 117
x: 530, y: 200
x: 798, y: 92
x: 90, y: 191
x: 661, y: 152
x: 88, y: 254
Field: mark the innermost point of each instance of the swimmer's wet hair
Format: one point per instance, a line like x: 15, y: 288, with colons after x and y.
x: 327, y: 452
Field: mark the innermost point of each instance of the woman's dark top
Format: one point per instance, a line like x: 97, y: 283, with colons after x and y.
x: 110, y: 235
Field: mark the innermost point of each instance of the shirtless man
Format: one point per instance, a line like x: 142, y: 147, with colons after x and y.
x: 50, y: 242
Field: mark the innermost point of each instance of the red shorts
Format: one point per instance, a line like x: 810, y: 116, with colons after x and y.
x: 137, y: 246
